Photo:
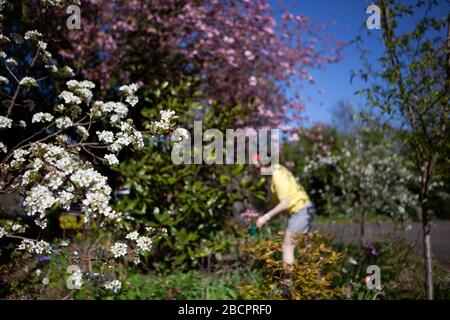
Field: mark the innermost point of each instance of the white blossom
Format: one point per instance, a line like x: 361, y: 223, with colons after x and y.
x: 106, y: 136
x: 33, y: 35
x: 132, y: 100
x: 3, y: 147
x: 117, y: 110
x: 42, y: 117
x: 119, y: 249
x: 128, y: 136
x: 42, y: 45
x: 82, y: 89
x: 65, y: 198
x: 4, y: 38
x: 16, y: 227
x: 113, y: 286
x: 19, y: 157
x: 3, y: 80
x: 144, y: 244
x: 112, y: 159
x: 63, y: 122
x: 11, y: 62
x: 82, y: 131
x: 69, y: 97
x: 166, y: 119
x: 52, y: 68
x: 45, y: 281
x: 2, y: 232
x: 51, y: 173
x: 59, y: 108
x: 67, y: 71
x: 38, y: 199
x: 132, y: 235
x: 28, y: 82
x: 33, y: 246
x: 54, y: 179
x: 130, y: 91
x: 5, y: 122
x: 41, y: 222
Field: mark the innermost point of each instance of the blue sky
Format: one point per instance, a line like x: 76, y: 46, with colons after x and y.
x: 350, y: 16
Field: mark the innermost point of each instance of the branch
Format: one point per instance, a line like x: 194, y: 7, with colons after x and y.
x: 390, y: 38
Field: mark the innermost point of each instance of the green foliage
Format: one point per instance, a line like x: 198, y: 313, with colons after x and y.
x: 410, y: 87
x: 442, y: 286
x: 178, y: 285
x: 397, y: 260
x: 14, y: 277
x: 190, y: 201
x: 400, y: 266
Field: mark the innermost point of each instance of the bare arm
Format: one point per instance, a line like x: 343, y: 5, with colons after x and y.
x: 280, y: 207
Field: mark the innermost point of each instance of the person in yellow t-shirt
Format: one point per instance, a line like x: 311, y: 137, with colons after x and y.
x: 291, y: 198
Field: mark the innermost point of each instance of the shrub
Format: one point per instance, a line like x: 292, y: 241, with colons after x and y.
x: 314, y: 275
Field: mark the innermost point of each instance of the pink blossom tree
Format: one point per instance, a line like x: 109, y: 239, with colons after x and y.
x: 243, y: 53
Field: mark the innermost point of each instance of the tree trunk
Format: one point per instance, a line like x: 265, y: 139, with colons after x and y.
x: 362, y: 222
x: 426, y: 229
x: 361, y: 195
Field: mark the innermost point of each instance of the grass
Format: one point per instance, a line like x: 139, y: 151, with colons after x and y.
x: 188, y: 285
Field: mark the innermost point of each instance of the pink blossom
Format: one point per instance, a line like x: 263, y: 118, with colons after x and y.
x: 249, y: 55
x: 289, y: 164
x: 287, y: 16
x: 285, y: 128
x: 250, y: 132
x: 249, y: 215
x: 223, y: 43
x: 294, y: 137
x: 228, y: 40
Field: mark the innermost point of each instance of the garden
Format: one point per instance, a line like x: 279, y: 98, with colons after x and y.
x: 95, y: 97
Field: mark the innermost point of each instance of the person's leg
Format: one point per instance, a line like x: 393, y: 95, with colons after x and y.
x: 288, y: 249
x: 299, y: 223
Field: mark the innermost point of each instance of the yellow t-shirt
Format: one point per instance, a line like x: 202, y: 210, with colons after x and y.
x: 284, y: 186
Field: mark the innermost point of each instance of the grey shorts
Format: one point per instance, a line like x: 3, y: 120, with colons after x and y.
x: 300, y: 222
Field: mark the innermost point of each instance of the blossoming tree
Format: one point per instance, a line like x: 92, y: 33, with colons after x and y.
x: 356, y: 175
x: 50, y: 155
x: 243, y: 55
x: 414, y: 95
